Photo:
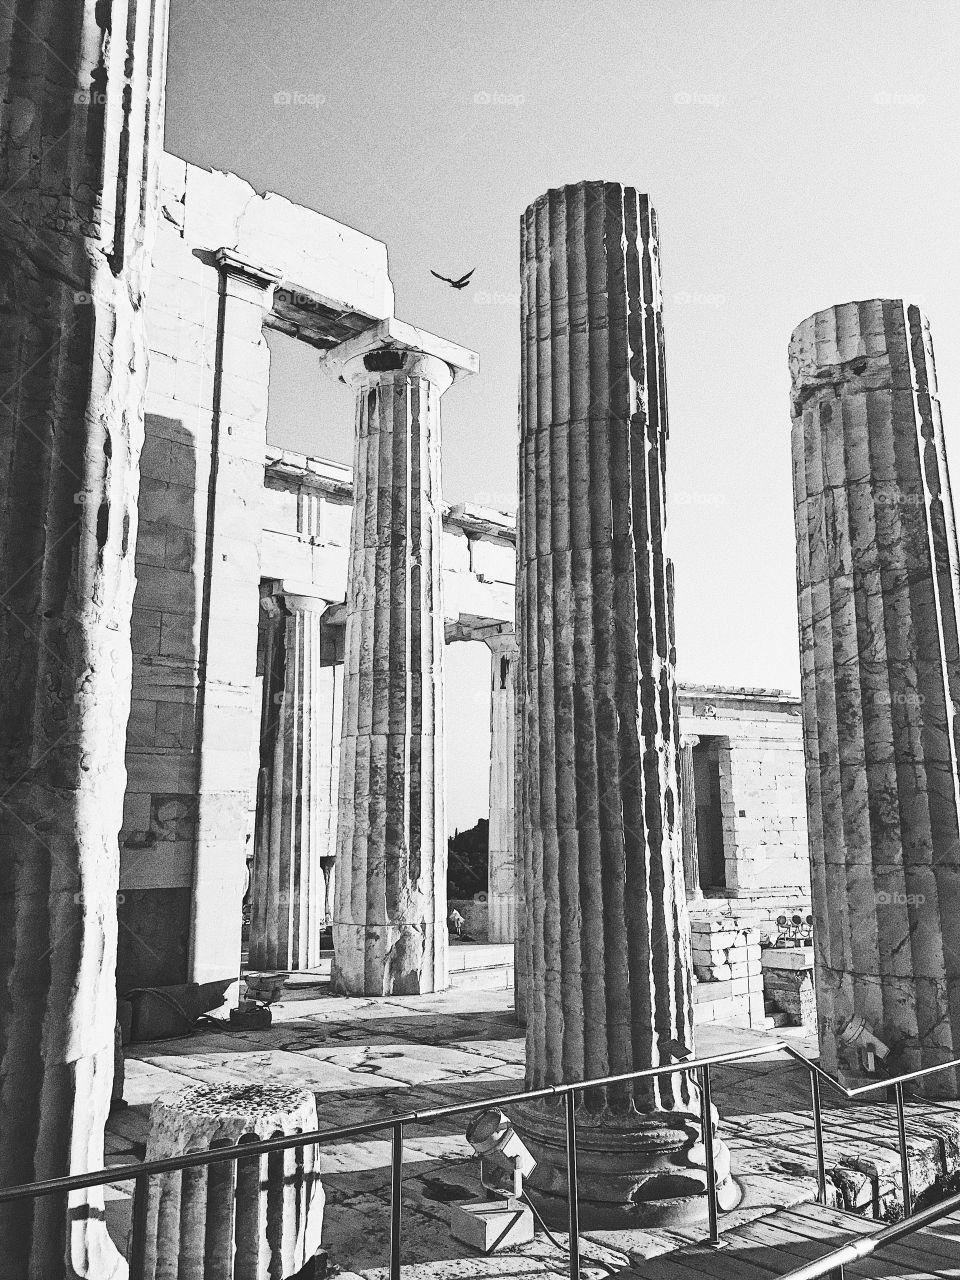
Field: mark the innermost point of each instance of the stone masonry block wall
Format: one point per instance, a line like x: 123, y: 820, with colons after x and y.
x: 764, y: 822
x: 726, y: 964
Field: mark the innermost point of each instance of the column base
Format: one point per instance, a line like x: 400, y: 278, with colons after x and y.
x: 389, y: 959
x: 633, y: 1171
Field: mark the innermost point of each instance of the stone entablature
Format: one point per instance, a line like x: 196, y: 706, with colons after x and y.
x: 307, y: 505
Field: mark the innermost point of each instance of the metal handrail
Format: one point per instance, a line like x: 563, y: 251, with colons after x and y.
x: 863, y: 1246
x: 142, y: 1172
x: 218, y: 1155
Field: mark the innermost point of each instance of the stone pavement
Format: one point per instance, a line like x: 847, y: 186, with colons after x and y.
x: 367, y: 1058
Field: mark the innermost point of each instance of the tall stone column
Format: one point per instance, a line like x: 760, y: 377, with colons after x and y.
x: 300, y: 745
x: 390, y: 930
x: 688, y: 814
x: 81, y: 114
x: 877, y: 585
x: 609, y: 984
x: 501, y: 873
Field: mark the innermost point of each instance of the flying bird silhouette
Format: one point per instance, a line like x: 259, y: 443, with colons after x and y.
x: 460, y: 283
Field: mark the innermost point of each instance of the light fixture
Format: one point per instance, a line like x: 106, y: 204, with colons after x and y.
x: 499, y: 1220
x: 856, y: 1034
x: 495, y: 1140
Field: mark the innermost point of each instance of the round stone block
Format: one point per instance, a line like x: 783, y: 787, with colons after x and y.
x: 256, y: 1218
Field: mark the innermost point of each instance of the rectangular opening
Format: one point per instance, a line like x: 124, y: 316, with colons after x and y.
x: 706, y: 777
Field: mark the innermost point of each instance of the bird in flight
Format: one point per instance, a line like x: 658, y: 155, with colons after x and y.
x: 460, y: 283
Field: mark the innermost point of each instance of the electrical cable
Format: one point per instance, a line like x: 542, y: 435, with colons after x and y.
x: 562, y: 1247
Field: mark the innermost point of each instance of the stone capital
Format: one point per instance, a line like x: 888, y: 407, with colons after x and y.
x: 392, y: 347
x: 690, y: 740
x: 296, y: 597
x: 502, y: 644
x: 246, y: 279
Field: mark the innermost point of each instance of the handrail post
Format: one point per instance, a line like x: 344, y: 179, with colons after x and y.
x: 706, y: 1121
x: 573, y: 1203
x: 818, y: 1137
x: 396, y: 1203
x: 904, y: 1151
x: 137, y: 1262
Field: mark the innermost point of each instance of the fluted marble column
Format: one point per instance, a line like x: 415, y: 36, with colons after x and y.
x: 688, y: 813
x: 81, y: 134
x: 877, y: 585
x: 608, y: 945
x: 300, y: 747
x: 501, y: 873
x: 390, y: 930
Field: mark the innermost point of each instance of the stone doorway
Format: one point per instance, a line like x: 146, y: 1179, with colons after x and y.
x: 710, y: 850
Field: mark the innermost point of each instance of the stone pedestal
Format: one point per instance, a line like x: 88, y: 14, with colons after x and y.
x: 501, y: 891
x: 788, y: 983
x: 80, y: 139
x: 608, y: 980
x: 877, y: 585
x: 300, y: 748
x: 258, y: 1218
x: 688, y: 816
x: 390, y: 930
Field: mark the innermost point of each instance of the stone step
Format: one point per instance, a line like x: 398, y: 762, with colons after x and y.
x: 488, y: 978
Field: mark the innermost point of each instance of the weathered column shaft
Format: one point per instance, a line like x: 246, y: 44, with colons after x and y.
x: 501, y: 873
x: 607, y: 935
x: 296, y: 821
x: 688, y: 813
x: 879, y: 602
x: 80, y: 137
x: 390, y: 903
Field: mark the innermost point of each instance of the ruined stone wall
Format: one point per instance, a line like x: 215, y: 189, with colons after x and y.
x: 192, y: 736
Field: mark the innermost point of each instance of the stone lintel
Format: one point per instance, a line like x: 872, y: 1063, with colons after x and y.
x: 285, y: 469
x: 490, y: 630
x: 396, y: 335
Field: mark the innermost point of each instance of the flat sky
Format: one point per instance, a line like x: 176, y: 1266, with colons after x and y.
x: 799, y: 155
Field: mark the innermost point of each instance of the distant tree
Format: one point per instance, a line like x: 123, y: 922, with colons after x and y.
x: 468, y: 858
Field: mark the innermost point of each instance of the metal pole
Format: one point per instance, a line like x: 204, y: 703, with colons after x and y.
x: 396, y: 1204
x: 904, y: 1152
x: 137, y: 1261
x: 706, y: 1121
x: 573, y: 1203
x: 818, y: 1135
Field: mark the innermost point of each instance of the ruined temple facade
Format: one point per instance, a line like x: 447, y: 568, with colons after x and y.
x: 241, y: 614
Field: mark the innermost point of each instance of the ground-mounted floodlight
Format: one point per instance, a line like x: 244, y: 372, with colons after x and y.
x: 499, y: 1220
x: 858, y: 1035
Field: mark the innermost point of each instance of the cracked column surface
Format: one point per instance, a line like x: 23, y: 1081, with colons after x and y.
x: 296, y: 818
x: 80, y: 137
x: 877, y: 585
x: 389, y: 929
x: 501, y: 873
x: 608, y: 972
